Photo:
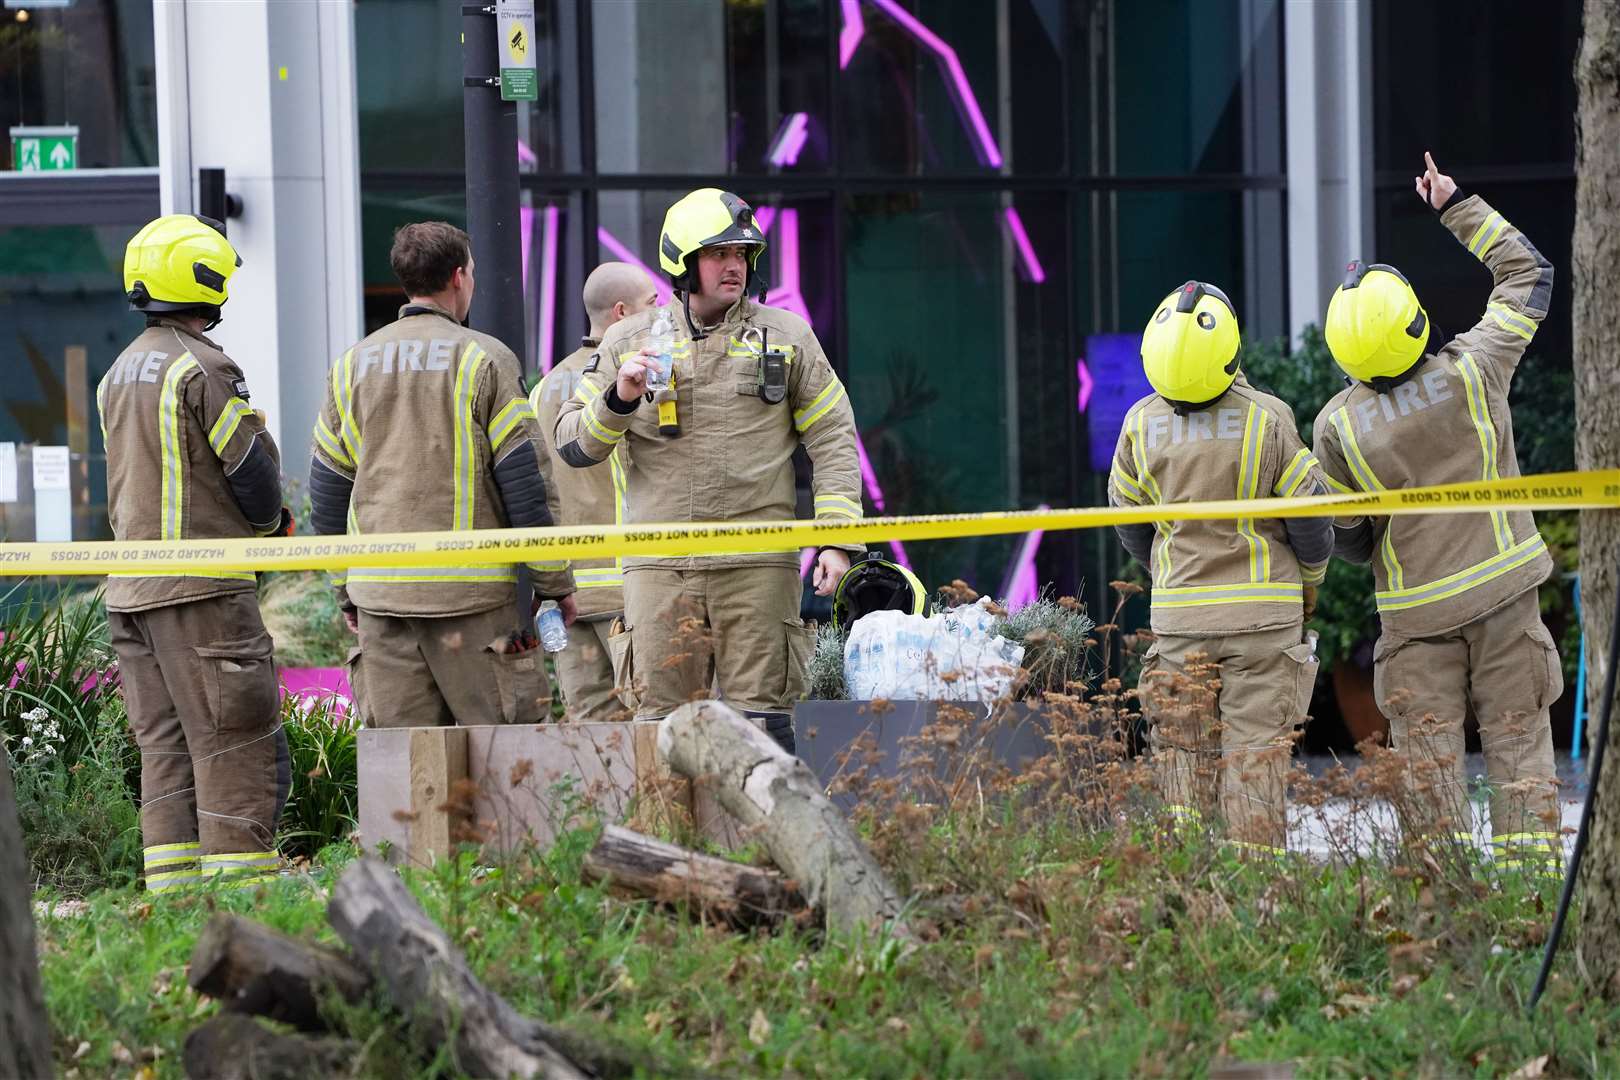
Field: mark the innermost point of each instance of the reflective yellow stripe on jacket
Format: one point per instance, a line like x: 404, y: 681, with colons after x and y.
x: 174, y: 455
x: 820, y: 406
x: 507, y: 420
x: 466, y: 457
x: 1479, y: 412
x: 1369, y: 482
x: 343, y: 394
x: 219, y: 436
x: 1524, y: 551
x: 1254, y: 435
x: 607, y: 577
x: 1150, y: 487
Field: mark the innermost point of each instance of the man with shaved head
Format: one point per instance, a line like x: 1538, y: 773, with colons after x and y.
x: 591, y: 497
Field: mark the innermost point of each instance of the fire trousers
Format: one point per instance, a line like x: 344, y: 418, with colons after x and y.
x: 585, y: 673
x: 692, y: 631
x: 434, y: 672
x: 1223, y: 711
x: 200, y: 686
x: 1506, y: 665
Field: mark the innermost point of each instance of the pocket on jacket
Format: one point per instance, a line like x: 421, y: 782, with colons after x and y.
x: 239, y: 681
x: 622, y: 656
x: 521, y: 683
x: 357, y: 695
x: 801, y: 645
x: 1305, y: 666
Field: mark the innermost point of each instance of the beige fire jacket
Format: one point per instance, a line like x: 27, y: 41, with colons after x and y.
x: 593, y: 496
x: 187, y: 459
x: 1448, y: 422
x: 733, y: 458
x: 1222, y: 577
x: 426, y: 427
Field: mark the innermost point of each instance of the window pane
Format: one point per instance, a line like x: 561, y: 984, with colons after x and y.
x: 661, y: 93
x: 1432, y: 60
x: 62, y: 300
x: 778, y: 63
x: 87, y: 66
x: 919, y: 93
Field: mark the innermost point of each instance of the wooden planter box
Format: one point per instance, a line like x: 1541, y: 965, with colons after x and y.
x: 422, y: 790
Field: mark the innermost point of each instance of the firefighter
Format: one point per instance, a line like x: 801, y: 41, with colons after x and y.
x: 426, y: 427
x: 612, y: 292
x: 1456, y: 595
x: 750, y: 385
x: 189, y: 458
x: 1228, y: 597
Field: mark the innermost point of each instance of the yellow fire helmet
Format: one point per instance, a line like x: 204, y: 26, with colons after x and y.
x: 1376, y: 329
x: 179, y: 262
x: 876, y: 584
x: 1190, y: 346
x: 705, y: 218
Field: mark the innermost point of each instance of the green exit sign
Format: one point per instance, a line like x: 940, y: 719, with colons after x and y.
x: 44, y: 149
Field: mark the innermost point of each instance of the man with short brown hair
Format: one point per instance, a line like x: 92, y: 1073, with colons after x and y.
x: 425, y: 427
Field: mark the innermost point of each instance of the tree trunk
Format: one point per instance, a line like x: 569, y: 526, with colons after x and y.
x: 253, y: 969
x: 25, y: 1037
x: 1595, y: 284
x: 429, y: 982
x: 778, y: 798
x: 739, y: 896
x: 236, y: 1048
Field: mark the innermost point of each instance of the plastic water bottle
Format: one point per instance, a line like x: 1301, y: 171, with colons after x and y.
x: 553, y: 632
x: 663, y: 340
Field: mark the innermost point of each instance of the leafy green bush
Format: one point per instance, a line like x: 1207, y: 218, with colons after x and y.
x: 323, y: 806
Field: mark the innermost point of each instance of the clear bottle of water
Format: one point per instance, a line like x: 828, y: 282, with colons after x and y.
x: 660, y: 367
x: 553, y: 631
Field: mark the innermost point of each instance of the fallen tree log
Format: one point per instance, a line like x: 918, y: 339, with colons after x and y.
x: 233, y: 1047
x: 778, y: 798
x: 428, y: 981
x: 736, y: 895
x: 250, y: 968
x: 25, y: 1037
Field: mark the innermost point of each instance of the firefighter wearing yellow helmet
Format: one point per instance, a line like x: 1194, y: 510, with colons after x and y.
x: 1228, y: 597
x: 750, y: 384
x: 189, y: 458
x: 1456, y: 595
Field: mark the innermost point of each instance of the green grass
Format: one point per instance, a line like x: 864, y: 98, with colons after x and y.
x: 1085, y: 953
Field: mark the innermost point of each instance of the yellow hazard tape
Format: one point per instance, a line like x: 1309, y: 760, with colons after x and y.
x: 1552, y: 491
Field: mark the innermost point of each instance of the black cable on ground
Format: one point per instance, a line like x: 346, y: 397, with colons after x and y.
x: 1600, y: 741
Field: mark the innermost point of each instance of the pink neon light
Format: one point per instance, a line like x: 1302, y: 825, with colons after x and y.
x: 526, y: 156
x: 1026, y: 251
x: 763, y: 218
x: 1086, y: 383
x: 854, y: 29
x: 786, y: 294
x: 525, y: 232
x: 961, y: 90
x: 624, y: 254
x: 790, y: 139
x: 1024, y: 587
x: 548, y: 289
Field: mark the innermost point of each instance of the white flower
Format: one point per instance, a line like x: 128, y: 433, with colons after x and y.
x: 28, y: 740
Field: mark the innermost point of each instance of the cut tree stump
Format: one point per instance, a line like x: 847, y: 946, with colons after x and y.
x: 25, y: 1036
x: 428, y: 982
x: 778, y: 798
x: 739, y: 896
x: 232, y: 1047
x: 250, y: 968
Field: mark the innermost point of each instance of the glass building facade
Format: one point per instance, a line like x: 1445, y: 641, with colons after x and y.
x: 975, y: 204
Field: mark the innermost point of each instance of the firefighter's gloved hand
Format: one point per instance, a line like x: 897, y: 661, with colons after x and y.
x: 286, y: 526
x: 569, y: 609
x: 1310, y: 602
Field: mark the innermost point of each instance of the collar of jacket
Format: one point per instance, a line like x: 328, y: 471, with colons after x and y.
x: 588, y: 342
x: 171, y: 323
x: 426, y: 307
x: 735, y: 314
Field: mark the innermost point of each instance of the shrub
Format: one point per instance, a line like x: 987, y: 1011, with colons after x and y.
x: 323, y: 806
x: 826, y: 672
x: 1056, y: 636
